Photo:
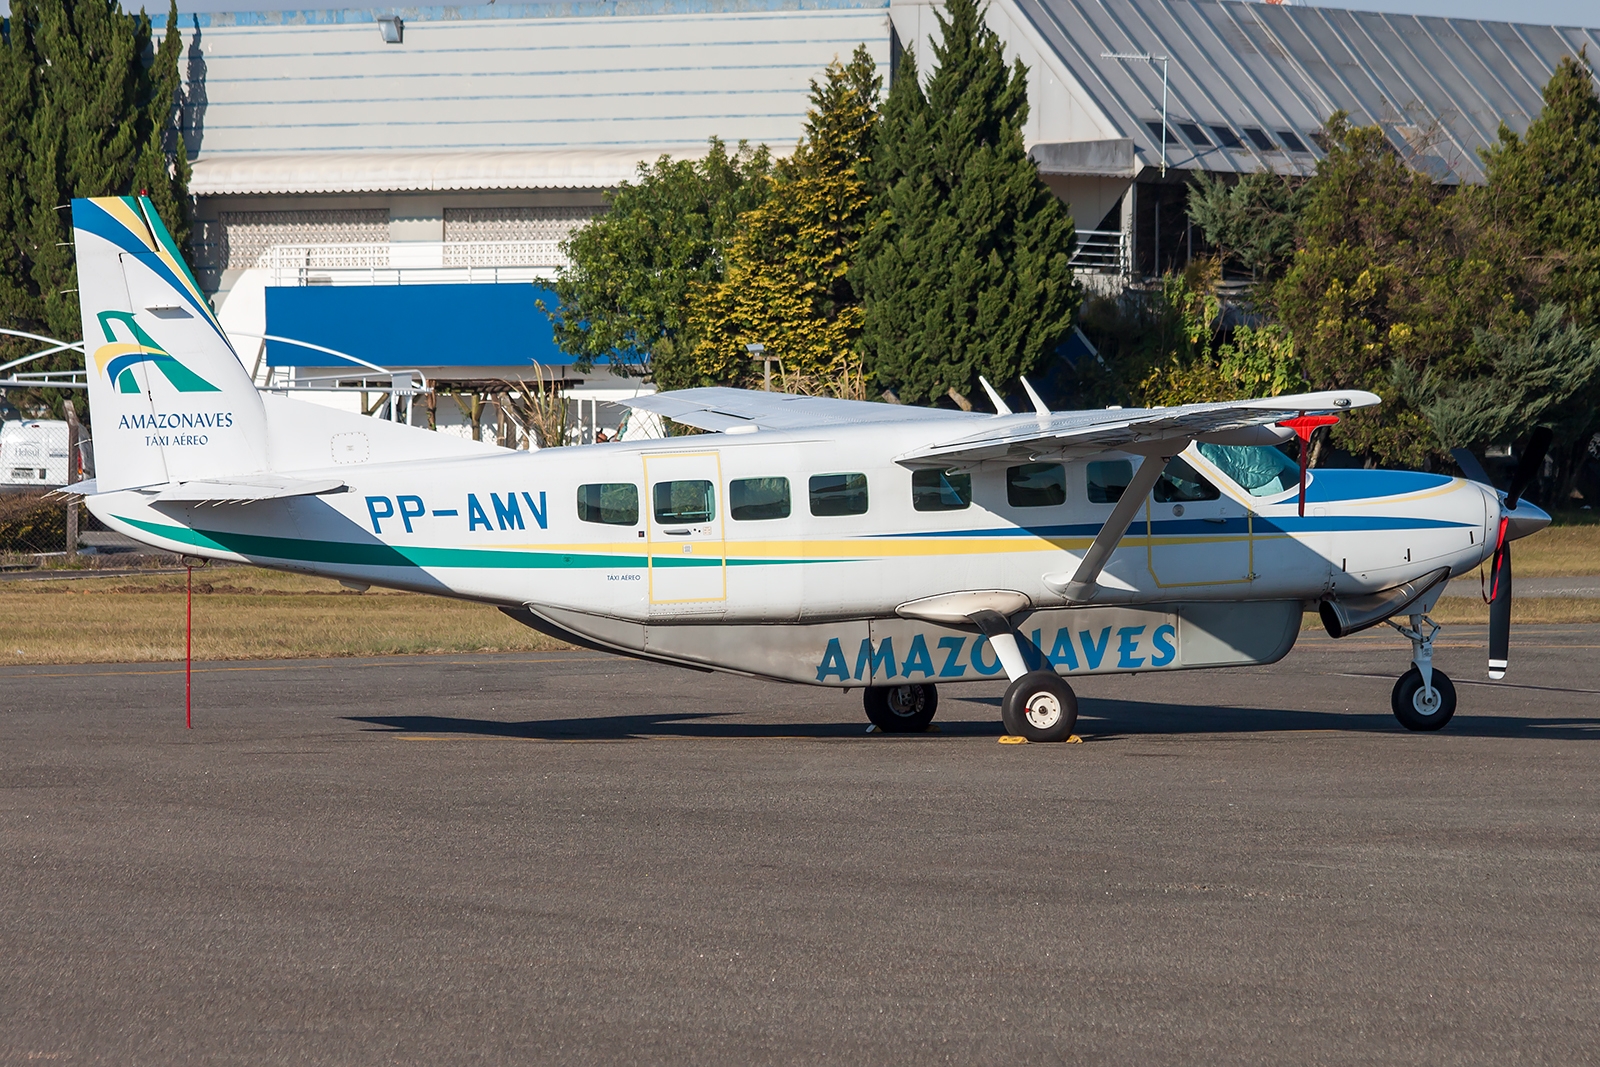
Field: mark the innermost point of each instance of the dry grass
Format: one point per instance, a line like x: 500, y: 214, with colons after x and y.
x: 1462, y: 611
x: 1558, y: 552
x: 240, y: 613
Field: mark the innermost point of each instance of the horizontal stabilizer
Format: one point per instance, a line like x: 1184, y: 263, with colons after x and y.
x: 242, y: 490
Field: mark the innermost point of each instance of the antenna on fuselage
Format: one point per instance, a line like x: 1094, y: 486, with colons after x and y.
x: 1038, y: 405
x: 1000, y: 406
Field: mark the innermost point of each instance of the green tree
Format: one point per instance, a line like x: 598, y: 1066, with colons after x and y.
x: 1542, y: 201
x: 1543, y: 373
x: 625, y: 294
x: 787, y: 283
x: 162, y: 169
x: 1171, y: 346
x: 86, y: 109
x: 964, y: 268
x: 1387, y: 273
x: 1252, y: 222
x: 17, y: 93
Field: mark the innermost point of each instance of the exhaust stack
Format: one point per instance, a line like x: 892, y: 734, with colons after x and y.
x: 1343, y: 617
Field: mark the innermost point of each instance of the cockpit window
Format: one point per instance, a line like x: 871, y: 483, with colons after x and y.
x: 1181, y: 483
x: 1259, y: 470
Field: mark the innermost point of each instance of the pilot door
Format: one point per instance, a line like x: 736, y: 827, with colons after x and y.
x: 684, y: 509
x: 1198, y: 535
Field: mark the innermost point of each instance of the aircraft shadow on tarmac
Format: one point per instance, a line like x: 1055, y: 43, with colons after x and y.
x: 1099, y: 720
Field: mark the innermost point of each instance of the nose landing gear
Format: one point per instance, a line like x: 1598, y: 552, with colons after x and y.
x: 1423, y: 697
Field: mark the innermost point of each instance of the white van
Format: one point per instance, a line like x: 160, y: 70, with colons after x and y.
x: 33, y: 452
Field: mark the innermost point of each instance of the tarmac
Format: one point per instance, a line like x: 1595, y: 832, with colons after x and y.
x: 573, y: 858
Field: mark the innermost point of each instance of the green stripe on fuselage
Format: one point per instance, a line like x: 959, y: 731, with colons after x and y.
x: 378, y: 554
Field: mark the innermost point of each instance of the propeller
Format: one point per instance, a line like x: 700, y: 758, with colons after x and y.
x: 1500, y: 586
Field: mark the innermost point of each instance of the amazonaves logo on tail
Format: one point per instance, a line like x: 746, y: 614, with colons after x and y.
x: 116, y: 359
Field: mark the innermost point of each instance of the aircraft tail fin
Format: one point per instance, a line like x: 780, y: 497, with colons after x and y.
x: 168, y: 397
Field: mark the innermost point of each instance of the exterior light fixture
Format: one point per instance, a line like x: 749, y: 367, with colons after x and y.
x: 392, y: 27
x: 759, y: 351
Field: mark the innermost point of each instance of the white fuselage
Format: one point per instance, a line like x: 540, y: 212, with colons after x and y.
x: 506, y: 529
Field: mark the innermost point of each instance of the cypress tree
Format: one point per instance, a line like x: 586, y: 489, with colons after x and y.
x: 1546, y: 186
x: 162, y: 168
x: 964, y: 269
x: 16, y: 110
x: 81, y: 114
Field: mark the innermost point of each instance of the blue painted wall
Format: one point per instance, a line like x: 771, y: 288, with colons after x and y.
x: 414, y: 325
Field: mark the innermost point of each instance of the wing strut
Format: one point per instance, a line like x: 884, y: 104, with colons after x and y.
x: 1081, y: 587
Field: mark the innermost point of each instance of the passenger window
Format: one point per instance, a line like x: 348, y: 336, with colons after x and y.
x: 685, y: 501
x: 758, y: 498
x: 1036, y: 485
x: 940, y: 490
x: 1107, y: 479
x: 1181, y: 483
x: 613, y: 503
x: 838, y: 494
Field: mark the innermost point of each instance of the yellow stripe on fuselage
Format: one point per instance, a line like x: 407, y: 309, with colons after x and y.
x: 817, y: 551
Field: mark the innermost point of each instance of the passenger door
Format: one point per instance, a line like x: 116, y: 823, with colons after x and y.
x: 1198, y: 535
x: 684, y: 516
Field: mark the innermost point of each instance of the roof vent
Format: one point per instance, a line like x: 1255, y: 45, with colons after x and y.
x: 392, y: 27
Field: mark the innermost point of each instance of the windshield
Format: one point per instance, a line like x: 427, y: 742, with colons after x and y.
x: 1259, y: 470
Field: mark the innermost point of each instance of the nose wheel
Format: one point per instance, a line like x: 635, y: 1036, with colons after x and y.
x: 1423, y: 697
x: 1421, y: 707
x: 900, y: 709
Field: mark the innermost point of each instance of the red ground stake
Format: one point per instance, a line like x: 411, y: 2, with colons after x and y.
x: 188, y: 655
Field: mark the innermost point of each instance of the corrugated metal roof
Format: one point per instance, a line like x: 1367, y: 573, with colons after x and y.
x: 1269, y: 76
x: 520, y: 102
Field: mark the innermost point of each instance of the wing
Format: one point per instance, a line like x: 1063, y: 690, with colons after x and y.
x: 724, y: 410
x: 1070, y: 434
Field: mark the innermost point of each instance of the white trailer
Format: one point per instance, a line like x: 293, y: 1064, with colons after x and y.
x: 34, y: 453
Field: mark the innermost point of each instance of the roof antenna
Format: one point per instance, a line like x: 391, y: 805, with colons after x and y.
x: 1000, y: 406
x: 1038, y: 405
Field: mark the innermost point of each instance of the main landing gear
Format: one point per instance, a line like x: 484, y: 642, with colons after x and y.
x: 1423, y: 698
x: 1038, y: 706
x: 901, y: 709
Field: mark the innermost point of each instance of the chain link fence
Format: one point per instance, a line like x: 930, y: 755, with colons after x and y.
x: 41, y: 529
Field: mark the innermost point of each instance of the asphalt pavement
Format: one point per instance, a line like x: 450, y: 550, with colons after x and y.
x: 570, y: 858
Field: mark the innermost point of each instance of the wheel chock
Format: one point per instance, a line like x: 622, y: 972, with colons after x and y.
x: 1009, y: 739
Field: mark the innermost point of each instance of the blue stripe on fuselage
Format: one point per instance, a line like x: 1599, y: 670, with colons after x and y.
x: 1333, y: 485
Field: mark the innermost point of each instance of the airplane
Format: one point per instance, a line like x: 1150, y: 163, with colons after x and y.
x: 843, y: 544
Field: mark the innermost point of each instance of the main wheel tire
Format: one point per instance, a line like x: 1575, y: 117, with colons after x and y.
x: 900, y: 709
x: 1413, y: 706
x: 1039, y: 706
